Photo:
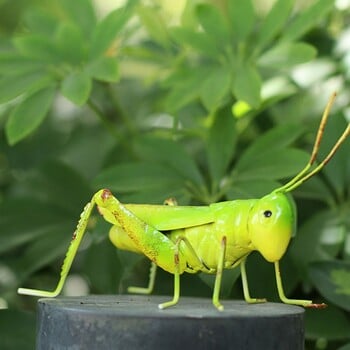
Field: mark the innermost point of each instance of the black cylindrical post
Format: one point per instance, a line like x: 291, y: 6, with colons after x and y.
x: 135, y: 322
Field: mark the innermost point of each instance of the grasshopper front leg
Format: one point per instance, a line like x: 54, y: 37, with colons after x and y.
x: 284, y: 299
x: 218, y: 278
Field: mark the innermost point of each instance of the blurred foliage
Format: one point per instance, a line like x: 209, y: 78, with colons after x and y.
x: 218, y: 101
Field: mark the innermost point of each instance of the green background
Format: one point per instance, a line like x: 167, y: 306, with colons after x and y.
x: 202, y: 101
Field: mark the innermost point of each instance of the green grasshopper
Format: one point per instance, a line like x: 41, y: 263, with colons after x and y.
x: 202, y: 238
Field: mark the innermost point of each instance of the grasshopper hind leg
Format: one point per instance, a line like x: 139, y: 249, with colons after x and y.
x: 71, y: 252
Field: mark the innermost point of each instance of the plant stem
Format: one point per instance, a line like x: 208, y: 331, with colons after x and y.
x: 126, y: 120
x: 110, y: 127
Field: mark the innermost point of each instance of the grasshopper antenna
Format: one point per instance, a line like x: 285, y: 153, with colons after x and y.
x: 304, y: 175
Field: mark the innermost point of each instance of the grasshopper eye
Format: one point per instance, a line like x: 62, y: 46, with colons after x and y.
x: 267, y: 213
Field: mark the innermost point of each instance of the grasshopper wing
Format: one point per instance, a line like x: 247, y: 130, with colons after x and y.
x: 165, y: 218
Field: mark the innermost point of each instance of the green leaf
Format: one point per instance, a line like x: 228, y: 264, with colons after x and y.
x: 70, y: 43
x: 81, y: 12
x: 43, y: 251
x: 104, y: 69
x: 307, y: 19
x: 337, y: 169
x: 287, y: 55
x: 55, y: 196
x: 158, y: 194
x: 276, y: 89
x: 242, y: 18
x: 221, y: 144
x: 215, y: 87
x: 154, y: 24
x: 332, y: 279
x: 37, y: 218
x: 273, y: 164
x: 14, y: 86
x: 274, y: 21
x: 17, y: 329
x: 29, y: 114
x: 345, y: 347
x: 276, y: 138
x: 247, y: 85
x: 262, y: 281
x: 246, y: 189
x: 333, y: 325
x: 213, y: 23
x: 306, y: 246
x: 183, y: 88
x: 138, y: 176
x: 346, y: 252
x: 77, y: 87
x: 39, y: 47
x: 13, y: 64
x: 198, y: 41
x: 64, y: 186
x: 41, y: 22
x: 105, y: 275
x: 107, y: 30
x: 315, y: 188
x: 170, y: 153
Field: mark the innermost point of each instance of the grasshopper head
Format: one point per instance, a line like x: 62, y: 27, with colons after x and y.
x: 272, y: 223
x: 272, y: 219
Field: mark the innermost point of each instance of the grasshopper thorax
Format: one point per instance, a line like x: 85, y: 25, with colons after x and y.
x: 271, y: 224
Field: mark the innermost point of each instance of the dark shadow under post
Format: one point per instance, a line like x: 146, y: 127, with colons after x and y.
x: 135, y: 322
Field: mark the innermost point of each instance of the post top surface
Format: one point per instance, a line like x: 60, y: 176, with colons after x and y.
x: 147, y: 306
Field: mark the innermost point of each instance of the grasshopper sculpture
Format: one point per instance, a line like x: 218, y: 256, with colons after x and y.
x: 205, y: 239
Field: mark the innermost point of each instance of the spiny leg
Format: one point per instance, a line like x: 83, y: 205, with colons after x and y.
x: 71, y: 252
x: 145, y: 237
x: 246, y: 293
x: 218, y: 278
x: 149, y: 288
x: 284, y: 299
